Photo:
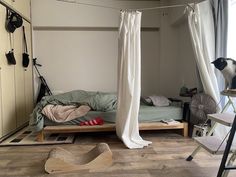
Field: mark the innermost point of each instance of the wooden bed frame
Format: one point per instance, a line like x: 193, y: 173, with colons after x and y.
x: 183, y: 126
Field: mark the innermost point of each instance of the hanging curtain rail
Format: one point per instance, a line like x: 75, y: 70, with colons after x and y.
x: 10, y: 7
x: 139, y: 9
x: 163, y: 7
x: 75, y: 28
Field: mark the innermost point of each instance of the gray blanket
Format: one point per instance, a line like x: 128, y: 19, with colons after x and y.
x: 97, y: 101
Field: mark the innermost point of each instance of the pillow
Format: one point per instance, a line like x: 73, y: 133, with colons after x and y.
x: 160, y: 100
x: 146, y: 101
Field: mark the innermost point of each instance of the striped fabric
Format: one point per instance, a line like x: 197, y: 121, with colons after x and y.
x: 96, y: 121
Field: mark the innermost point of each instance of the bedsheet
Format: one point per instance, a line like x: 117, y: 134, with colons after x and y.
x: 146, y: 114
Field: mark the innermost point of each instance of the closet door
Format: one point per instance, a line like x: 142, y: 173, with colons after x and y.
x: 23, y: 77
x: 0, y: 102
x: 22, y: 6
x: 28, y: 75
x: 2, y: 48
x: 9, y: 1
x: 24, y: 89
x: 19, y: 78
x: 24, y: 82
x: 16, y: 85
x: 8, y: 101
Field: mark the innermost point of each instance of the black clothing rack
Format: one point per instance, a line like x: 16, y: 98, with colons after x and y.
x: 223, y: 166
x: 8, y: 6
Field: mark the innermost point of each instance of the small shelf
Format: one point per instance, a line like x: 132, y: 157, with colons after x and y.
x: 222, y: 118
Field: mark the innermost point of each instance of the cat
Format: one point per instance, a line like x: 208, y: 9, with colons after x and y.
x: 227, y: 66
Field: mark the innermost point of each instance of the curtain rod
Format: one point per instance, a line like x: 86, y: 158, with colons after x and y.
x: 76, y: 28
x: 10, y: 7
x: 115, y: 8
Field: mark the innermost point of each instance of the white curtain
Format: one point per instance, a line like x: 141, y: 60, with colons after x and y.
x: 129, y: 80
x: 201, y: 26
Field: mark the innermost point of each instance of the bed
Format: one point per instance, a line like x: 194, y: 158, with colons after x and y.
x: 103, y: 105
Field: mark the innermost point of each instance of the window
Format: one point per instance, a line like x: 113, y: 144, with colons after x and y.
x: 231, y: 48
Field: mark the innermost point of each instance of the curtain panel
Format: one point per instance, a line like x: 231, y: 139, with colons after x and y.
x: 129, y: 80
x: 220, y: 12
x: 208, y: 29
x: 202, y: 32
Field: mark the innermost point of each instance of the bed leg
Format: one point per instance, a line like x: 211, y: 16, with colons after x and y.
x: 40, y: 136
x: 185, y: 129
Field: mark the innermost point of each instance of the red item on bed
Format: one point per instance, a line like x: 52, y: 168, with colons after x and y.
x: 96, y: 121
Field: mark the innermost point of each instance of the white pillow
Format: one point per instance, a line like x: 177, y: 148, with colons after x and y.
x: 160, y: 100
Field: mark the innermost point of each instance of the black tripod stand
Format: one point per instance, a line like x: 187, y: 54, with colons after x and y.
x: 44, y: 89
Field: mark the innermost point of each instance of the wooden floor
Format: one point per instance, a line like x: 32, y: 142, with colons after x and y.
x: 164, y: 158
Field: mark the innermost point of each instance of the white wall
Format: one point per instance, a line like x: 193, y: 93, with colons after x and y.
x: 169, y: 75
x: 55, y: 13
x: 86, y: 58
x: 187, y: 65
x: 78, y: 60
x: 185, y: 72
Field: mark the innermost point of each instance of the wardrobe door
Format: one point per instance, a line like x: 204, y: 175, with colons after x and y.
x: 2, y: 48
x: 28, y: 75
x: 8, y: 100
x: 23, y: 77
x: 24, y: 89
x: 0, y: 101
x: 9, y: 1
x: 22, y: 6
x: 19, y: 78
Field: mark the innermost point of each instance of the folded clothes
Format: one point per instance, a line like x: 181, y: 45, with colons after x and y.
x: 96, y: 121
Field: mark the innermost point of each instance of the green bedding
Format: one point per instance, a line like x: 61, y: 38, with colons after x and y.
x: 102, y: 105
x: 146, y: 114
x: 98, y: 101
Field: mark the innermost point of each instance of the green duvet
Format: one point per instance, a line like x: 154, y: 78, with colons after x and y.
x: 98, y: 101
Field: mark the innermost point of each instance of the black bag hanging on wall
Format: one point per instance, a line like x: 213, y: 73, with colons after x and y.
x: 25, y: 55
x: 13, y: 21
x: 10, y: 55
x: 11, y: 58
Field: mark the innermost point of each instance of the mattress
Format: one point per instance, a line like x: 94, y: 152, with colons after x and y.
x: 146, y: 114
